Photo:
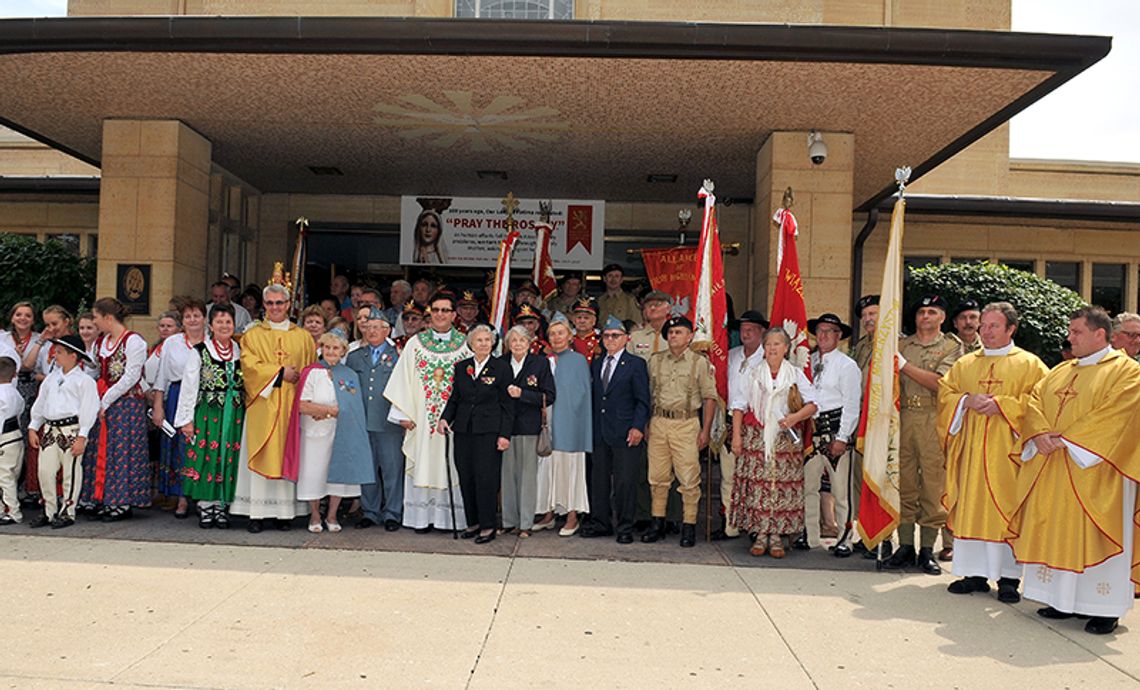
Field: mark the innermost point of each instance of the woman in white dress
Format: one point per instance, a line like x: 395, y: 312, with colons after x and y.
x: 328, y: 452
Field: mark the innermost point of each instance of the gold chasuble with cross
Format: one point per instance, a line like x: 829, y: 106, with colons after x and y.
x: 981, y: 475
x: 1068, y: 513
x: 265, y: 350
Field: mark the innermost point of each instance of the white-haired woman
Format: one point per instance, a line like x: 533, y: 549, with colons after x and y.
x: 767, y: 439
x: 532, y: 388
x: 328, y: 453
x: 562, y: 478
x: 481, y: 413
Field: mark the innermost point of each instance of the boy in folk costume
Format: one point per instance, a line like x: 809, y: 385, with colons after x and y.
x: 66, y: 409
x: 11, y: 440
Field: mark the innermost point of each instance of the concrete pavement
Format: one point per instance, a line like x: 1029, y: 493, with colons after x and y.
x: 106, y: 612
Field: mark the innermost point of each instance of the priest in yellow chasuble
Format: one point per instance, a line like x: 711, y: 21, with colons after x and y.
x: 1073, y: 521
x: 981, y: 401
x: 273, y: 353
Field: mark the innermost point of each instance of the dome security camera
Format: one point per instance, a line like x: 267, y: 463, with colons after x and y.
x: 817, y: 150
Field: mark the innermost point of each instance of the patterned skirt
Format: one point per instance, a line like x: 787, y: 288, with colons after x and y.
x: 122, y: 478
x: 209, y: 470
x: 171, y: 451
x: 768, y: 494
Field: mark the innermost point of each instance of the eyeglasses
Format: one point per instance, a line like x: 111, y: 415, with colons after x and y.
x: 613, y: 335
x: 275, y: 302
x: 443, y: 311
x: 1133, y: 336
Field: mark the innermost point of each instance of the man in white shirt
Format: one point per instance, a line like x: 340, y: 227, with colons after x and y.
x: 741, y: 360
x: 836, y: 380
x: 220, y: 294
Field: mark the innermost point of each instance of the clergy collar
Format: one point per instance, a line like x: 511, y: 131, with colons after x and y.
x: 279, y: 325
x: 1095, y: 357
x: 446, y: 335
x: 999, y: 352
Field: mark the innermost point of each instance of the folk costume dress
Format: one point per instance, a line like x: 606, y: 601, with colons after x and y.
x: 1073, y: 524
x: 213, y: 398
x: 418, y: 389
x: 266, y: 349
x: 981, y: 475
x: 174, y: 353
x: 768, y: 485
x: 116, y: 464
x: 329, y: 457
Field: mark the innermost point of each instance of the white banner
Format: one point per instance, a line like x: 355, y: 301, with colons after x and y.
x: 464, y: 231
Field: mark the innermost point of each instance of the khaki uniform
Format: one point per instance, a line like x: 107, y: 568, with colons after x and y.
x: 646, y: 342
x: 861, y: 353
x: 622, y: 305
x: 922, y: 466
x: 678, y: 387
x: 970, y: 347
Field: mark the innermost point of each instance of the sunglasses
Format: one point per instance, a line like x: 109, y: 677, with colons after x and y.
x: 275, y: 303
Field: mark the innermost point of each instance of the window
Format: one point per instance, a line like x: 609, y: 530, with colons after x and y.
x: 515, y: 9
x: 1027, y: 265
x: 1064, y: 273
x: 968, y: 260
x: 1108, y: 286
x: 92, y: 246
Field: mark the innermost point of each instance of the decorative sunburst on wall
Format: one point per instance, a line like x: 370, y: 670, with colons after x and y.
x: 505, y: 121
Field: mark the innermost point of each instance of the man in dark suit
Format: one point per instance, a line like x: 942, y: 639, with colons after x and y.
x: 482, y: 414
x: 383, y: 502
x: 621, y: 411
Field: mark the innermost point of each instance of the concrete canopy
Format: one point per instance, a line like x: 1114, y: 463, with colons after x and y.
x: 573, y: 109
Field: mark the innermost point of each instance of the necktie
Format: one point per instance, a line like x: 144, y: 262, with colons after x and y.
x: 609, y: 369
x: 375, y: 355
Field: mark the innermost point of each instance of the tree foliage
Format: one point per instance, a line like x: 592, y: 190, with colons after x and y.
x: 1043, y: 305
x: 43, y: 274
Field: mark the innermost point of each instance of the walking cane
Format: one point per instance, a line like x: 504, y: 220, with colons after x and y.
x: 450, y: 491
x: 708, y: 501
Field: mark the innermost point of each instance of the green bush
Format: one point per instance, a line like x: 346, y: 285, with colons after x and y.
x: 43, y: 274
x: 1043, y: 305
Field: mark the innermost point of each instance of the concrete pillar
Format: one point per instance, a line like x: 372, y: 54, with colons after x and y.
x: 154, y: 209
x: 823, y: 204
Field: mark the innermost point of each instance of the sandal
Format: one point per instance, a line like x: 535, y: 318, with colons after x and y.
x: 759, y: 547
x: 206, y: 518
x: 776, y: 549
x: 504, y: 530
x: 221, y: 520
x: 316, y: 528
x: 524, y: 534
x: 332, y: 526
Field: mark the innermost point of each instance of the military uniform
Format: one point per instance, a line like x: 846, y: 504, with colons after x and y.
x: 622, y: 305
x: 861, y: 352
x: 922, y: 466
x: 646, y: 342
x: 678, y: 387
x: 971, y: 347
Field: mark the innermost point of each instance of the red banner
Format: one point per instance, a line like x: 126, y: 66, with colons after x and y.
x: 579, y: 227
x: 543, y: 273
x: 711, y: 306
x: 674, y: 272
x: 788, y: 310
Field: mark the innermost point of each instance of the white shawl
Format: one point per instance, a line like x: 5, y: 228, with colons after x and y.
x: 765, y: 389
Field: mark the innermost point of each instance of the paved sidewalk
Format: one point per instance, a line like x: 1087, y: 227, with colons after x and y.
x: 95, y: 613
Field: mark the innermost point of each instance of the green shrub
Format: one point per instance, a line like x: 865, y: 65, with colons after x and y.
x: 1043, y: 305
x: 44, y: 274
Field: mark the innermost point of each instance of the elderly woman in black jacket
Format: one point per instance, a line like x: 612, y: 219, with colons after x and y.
x: 481, y: 412
x: 532, y: 387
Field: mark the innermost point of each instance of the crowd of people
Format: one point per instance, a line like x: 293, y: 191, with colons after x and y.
x: 588, y: 418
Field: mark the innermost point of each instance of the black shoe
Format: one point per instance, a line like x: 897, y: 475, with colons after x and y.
x: 721, y: 533
x: 969, y: 585
x: 641, y: 526
x: 61, y: 522
x: 801, y: 543
x: 117, y: 514
x: 1101, y: 626
x: 1053, y: 614
x: 221, y: 520
x: 593, y: 531
x: 206, y: 518
x: 904, y: 557
x: 469, y: 534
x: 927, y: 563
x: 671, y: 527
x: 625, y: 538
x: 6, y: 519
x: 39, y: 521
x: 424, y: 530
x: 365, y: 523
x: 482, y: 538
x: 1007, y: 590
x: 861, y: 549
x: 841, y: 551
x: 284, y: 525
x: 688, y: 535
x: 655, y: 533
x: 391, y: 526
x: 255, y: 527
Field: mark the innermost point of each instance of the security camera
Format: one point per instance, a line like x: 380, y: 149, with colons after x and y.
x: 817, y: 150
